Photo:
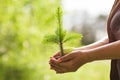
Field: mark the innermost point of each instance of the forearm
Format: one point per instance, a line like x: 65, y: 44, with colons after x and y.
x: 94, y: 45
x: 108, y: 51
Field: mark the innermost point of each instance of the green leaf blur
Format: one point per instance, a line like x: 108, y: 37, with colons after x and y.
x: 23, y: 23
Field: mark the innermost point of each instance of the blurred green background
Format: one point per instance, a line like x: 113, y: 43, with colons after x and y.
x: 23, y: 23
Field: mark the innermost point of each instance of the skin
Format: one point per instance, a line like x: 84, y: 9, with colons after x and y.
x: 97, y: 51
x: 101, y: 50
x: 72, y: 61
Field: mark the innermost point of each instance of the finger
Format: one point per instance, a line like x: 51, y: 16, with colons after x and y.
x: 58, y: 69
x: 53, y: 61
x: 54, y: 65
x: 56, y: 62
x: 63, y: 65
x: 51, y: 66
x: 63, y: 70
x: 65, y: 58
x: 56, y: 54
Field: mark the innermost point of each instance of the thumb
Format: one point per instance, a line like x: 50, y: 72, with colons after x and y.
x: 65, y: 58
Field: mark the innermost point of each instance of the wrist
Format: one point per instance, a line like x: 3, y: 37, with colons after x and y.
x: 88, y: 55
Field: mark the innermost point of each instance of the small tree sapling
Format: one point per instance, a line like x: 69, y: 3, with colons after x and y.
x: 61, y: 36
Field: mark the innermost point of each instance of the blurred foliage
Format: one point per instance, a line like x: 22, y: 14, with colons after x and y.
x: 23, y: 23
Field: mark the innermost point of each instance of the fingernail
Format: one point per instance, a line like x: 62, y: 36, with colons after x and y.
x: 52, y: 58
x: 57, y: 57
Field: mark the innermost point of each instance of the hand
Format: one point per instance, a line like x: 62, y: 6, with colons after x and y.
x: 69, y: 62
x: 56, y: 56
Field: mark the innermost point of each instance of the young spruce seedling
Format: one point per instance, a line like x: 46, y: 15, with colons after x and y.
x: 61, y: 36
